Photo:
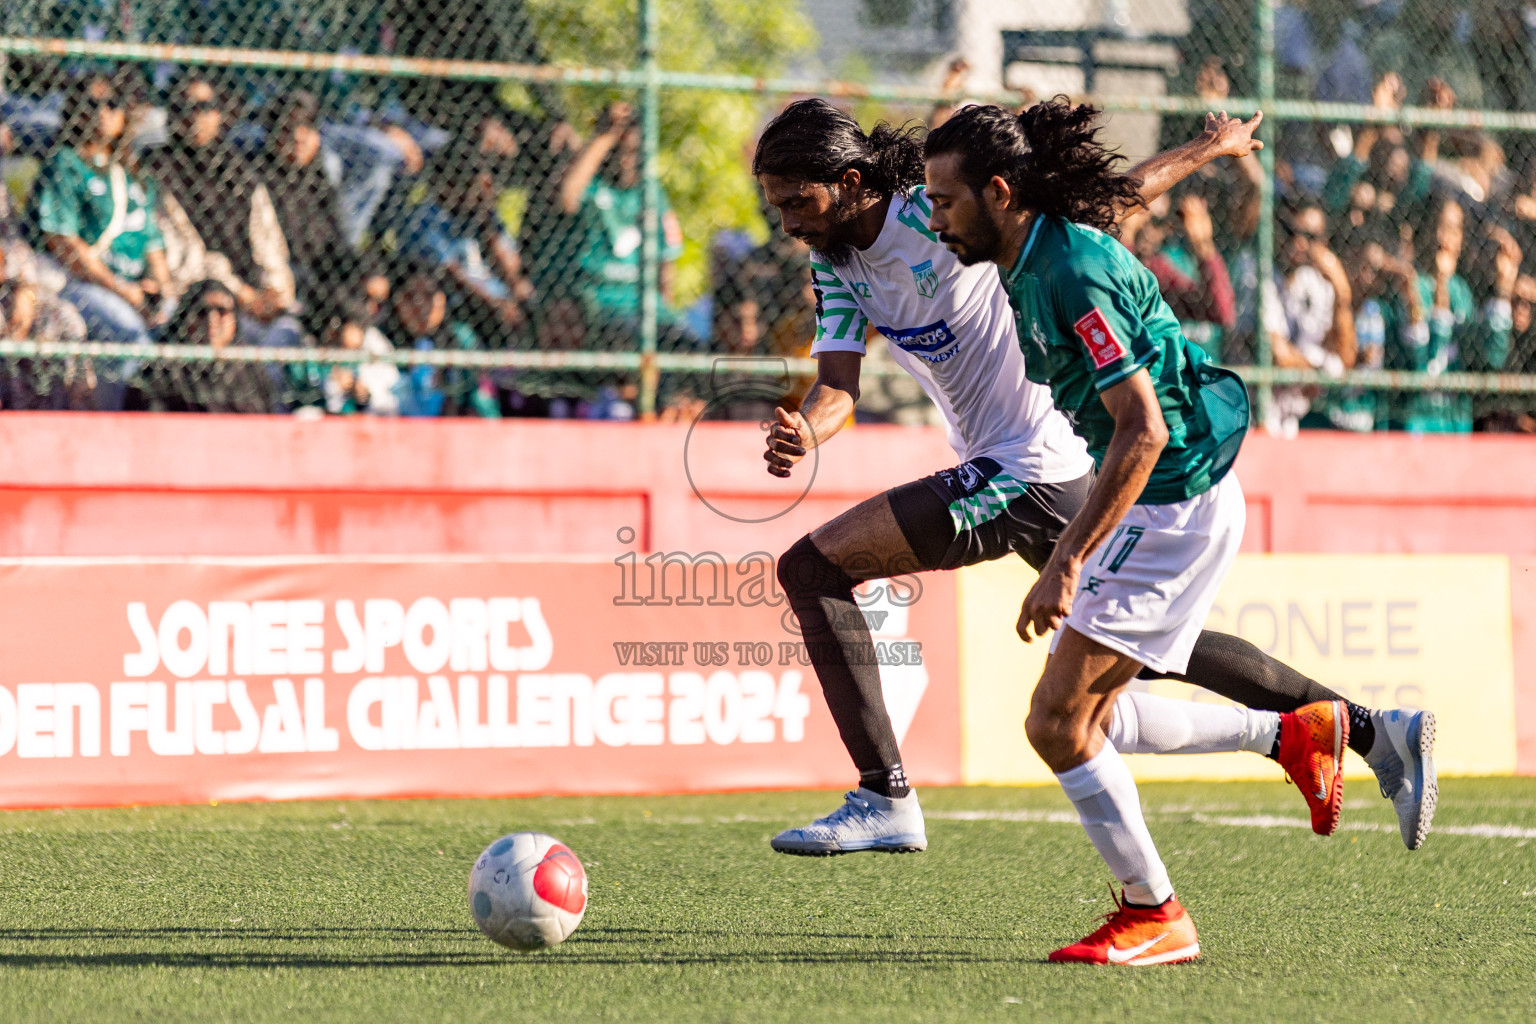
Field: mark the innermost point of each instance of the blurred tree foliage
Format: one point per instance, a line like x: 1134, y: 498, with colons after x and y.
x: 705, y: 136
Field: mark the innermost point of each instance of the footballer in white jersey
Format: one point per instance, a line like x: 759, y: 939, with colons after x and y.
x: 856, y: 199
x: 951, y: 328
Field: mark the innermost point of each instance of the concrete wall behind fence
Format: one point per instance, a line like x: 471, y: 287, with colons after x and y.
x: 143, y: 485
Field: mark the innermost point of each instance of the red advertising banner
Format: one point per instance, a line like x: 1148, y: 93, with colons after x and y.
x: 131, y: 681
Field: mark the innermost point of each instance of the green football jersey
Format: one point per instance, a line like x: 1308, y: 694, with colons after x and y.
x: 610, y: 248
x: 1206, y: 334
x: 72, y: 197
x: 1089, y: 315
x: 1432, y: 348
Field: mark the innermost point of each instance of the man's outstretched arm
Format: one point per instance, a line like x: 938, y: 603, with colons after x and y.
x: 1223, y: 136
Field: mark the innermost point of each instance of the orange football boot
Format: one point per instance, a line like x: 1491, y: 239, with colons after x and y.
x: 1136, y: 937
x: 1312, y: 741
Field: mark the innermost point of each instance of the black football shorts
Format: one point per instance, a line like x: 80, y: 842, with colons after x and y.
x: 975, y: 512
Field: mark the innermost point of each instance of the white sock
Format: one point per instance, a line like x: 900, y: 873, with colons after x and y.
x: 1145, y: 724
x: 1110, y: 809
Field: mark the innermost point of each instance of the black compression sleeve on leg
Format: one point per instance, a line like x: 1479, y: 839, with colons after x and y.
x: 838, y: 640
x: 1239, y: 671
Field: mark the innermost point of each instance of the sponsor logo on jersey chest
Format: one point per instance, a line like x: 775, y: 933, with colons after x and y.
x: 924, y: 279
x: 935, y: 342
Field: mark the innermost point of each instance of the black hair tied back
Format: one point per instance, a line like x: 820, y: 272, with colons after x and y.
x: 1049, y: 155
x: 813, y: 141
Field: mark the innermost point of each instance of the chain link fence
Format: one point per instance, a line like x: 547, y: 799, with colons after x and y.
x: 544, y: 207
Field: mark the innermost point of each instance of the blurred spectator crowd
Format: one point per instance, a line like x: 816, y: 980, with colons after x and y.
x: 184, y: 214
x: 198, y: 206
x: 1394, y: 249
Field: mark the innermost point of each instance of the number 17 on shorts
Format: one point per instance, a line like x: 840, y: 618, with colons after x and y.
x: 1147, y: 590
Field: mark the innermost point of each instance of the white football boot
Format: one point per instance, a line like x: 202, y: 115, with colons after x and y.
x: 865, y: 821
x: 1403, y: 758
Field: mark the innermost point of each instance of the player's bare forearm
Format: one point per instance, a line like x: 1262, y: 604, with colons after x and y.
x: 616, y: 120
x: 1139, y: 438
x: 80, y: 261
x: 159, y: 268
x: 832, y: 397
x: 1341, y: 338
x: 23, y: 312
x: 1165, y: 170
x: 1223, y: 136
x: 825, y: 409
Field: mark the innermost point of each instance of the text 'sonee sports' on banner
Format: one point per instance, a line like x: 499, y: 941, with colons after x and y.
x: 152, y: 682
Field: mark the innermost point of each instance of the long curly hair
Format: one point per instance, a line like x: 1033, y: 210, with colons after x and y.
x: 1050, y: 156
x: 813, y: 141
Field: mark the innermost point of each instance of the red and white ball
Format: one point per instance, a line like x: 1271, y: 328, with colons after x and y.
x: 527, y: 891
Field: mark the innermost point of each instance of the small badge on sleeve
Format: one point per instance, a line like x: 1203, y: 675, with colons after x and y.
x: 1101, y: 341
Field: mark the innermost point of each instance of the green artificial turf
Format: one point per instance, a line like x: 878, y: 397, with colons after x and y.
x: 357, y: 911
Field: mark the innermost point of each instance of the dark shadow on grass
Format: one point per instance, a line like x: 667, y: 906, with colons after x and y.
x: 233, y: 932
x: 455, y: 947
x: 319, y: 933
x: 563, y: 957
x: 254, y: 961
x: 622, y: 934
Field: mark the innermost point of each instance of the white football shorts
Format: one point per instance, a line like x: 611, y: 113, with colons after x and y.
x: 1146, y: 591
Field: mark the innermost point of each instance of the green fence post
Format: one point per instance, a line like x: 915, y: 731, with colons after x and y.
x: 1264, y: 257
x: 650, y: 250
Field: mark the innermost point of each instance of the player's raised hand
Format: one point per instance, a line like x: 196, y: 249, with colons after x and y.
x: 1438, y: 93
x: 1048, y: 602
x: 1506, y: 261
x: 616, y: 118
x: 1231, y: 136
x: 1211, y: 81
x: 1390, y: 92
x: 786, y: 441
x: 954, y: 77
x: 1445, y: 263
x: 1327, y: 264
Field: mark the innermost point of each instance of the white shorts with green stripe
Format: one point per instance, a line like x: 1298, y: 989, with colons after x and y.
x: 1146, y: 591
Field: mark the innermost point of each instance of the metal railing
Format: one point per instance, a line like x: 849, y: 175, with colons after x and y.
x: 648, y: 358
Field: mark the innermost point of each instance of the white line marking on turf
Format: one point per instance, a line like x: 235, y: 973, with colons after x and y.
x: 1486, y: 831
x: 1018, y: 816
x: 1269, y: 821
x: 1055, y: 817
x: 1250, y: 821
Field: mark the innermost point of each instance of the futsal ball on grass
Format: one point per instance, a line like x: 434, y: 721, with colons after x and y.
x: 527, y: 891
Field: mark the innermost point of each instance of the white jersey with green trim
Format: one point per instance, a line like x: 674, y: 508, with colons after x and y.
x: 949, y: 326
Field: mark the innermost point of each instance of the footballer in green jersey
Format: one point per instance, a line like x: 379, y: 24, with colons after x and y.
x: 1134, y: 574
